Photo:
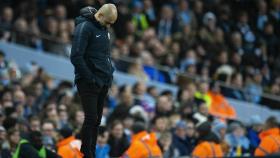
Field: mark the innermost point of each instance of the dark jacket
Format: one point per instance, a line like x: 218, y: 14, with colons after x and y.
x: 28, y: 151
x: 90, y: 52
x: 184, y: 146
x: 118, y: 146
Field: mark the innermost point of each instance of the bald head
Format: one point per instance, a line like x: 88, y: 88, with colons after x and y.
x: 107, y: 14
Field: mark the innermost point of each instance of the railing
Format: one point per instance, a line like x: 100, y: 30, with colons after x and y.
x: 270, y: 100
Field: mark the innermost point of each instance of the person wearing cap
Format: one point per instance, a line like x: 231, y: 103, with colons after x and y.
x: 270, y: 139
x: 208, y: 142
x: 68, y: 146
x: 143, y: 144
x: 91, y: 58
x: 180, y: 140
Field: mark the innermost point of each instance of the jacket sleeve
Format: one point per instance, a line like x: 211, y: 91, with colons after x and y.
x: 79, y: 45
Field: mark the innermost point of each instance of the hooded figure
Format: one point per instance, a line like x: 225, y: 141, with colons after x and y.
x: 90, y: 56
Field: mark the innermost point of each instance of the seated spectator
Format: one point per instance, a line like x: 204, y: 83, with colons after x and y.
x: 253, y: 131
x: 167, y: 148
x: 167, y: 23
x: 137, y: 70
x: 164, y: 106
x: 253, y: 87
x: 102, y: 146
x: 118, y: 141
x: 21, y: 147
x: 239, y: 143
x: 270, y: 138
x: 125, y: 103
x: 236, y: 81
x: 139, y: 19
x: 48, y: 134
x: 180, y: 141
x: 160, y: 125
x: 150, y: 69
x: 220, y: 128
x: 208, y: 143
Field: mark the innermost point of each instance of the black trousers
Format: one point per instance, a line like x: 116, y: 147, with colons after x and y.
x: 92, y: 98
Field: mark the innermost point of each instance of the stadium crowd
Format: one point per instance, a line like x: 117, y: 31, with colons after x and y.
x: 233, y: 41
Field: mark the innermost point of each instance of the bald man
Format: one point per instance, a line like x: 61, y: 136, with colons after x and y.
x: 90, y: 56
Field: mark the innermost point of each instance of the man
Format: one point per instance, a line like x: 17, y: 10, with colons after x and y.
x: 270, y: 139
x: 180, y: 140
x: 90, y: 56
x: 143, y: 144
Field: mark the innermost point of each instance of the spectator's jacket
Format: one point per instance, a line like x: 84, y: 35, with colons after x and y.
x: 90, y: 52
x: 143, y: 145
x: 219, y: 106
x: 184, y: 146
x: 67, y: 148
x: 270, y: 142
x: 253, y: 136
x: 207, y: 149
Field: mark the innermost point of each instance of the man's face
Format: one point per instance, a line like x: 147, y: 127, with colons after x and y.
x: 48, y: 129
x: 35, y: 125
x: 118, y: 131
x: 106, y: 21
x: 190, y: 131
x: 15, y: 137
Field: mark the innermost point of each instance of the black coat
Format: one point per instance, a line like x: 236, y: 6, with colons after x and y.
x: 90, y: 52
x: 118, y: 147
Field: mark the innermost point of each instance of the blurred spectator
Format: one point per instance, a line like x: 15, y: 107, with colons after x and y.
x: 237, y: 140
x: 236, y: 81
x: 137, y: 70
x: 254, y: 130
x: 167, y: 24
x: 219, y: 128
x: 102, y: 147
x: 165, y: 142
x: 180, y: 141
x: 49, y: 135
x: 118, y: 140
x: 139, y: 19
x: 20, y: 147
x: 253, y: 87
